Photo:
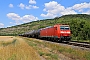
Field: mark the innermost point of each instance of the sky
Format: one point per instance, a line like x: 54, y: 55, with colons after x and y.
x: 16, y: 12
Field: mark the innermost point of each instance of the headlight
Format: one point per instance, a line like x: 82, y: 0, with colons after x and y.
x: 68, y: 32
x: 64, y: 32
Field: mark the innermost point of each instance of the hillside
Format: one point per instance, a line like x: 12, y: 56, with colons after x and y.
x: 79, y: 23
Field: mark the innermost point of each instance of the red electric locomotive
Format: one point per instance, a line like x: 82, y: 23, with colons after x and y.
x: 60, y: 32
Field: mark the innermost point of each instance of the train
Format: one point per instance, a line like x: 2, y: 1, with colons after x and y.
x: 58, y: 32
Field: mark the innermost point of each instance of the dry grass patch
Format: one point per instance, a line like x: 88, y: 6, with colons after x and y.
x: 19, y: 50
x: 6, y: 38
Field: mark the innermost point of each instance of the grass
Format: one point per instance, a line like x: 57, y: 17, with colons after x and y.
x: 70, y: 52
x: 52, y: 56
x: 88, y: 56
x: 42, y: 50
x: 3, y: 43
x: 41, y: 53
x: 52, y: 49
x: 82, y: 40
x: 12, y: 57
x: 17, y: 49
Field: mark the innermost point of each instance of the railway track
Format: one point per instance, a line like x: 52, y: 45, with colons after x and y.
x: 80, y: 44
x: 83, y: 45
x: 73, y: 44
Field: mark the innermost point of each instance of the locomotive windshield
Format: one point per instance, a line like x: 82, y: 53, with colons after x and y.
x: 64, y: 27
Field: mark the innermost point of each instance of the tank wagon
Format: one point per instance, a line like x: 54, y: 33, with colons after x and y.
x: 59, y: 32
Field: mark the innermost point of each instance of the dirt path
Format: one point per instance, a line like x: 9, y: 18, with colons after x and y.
x: 16, y: 49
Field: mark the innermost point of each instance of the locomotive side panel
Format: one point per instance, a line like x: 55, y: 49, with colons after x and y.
x: 48, y: 32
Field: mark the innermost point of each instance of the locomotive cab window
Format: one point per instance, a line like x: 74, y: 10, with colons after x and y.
x: 64, y: 27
